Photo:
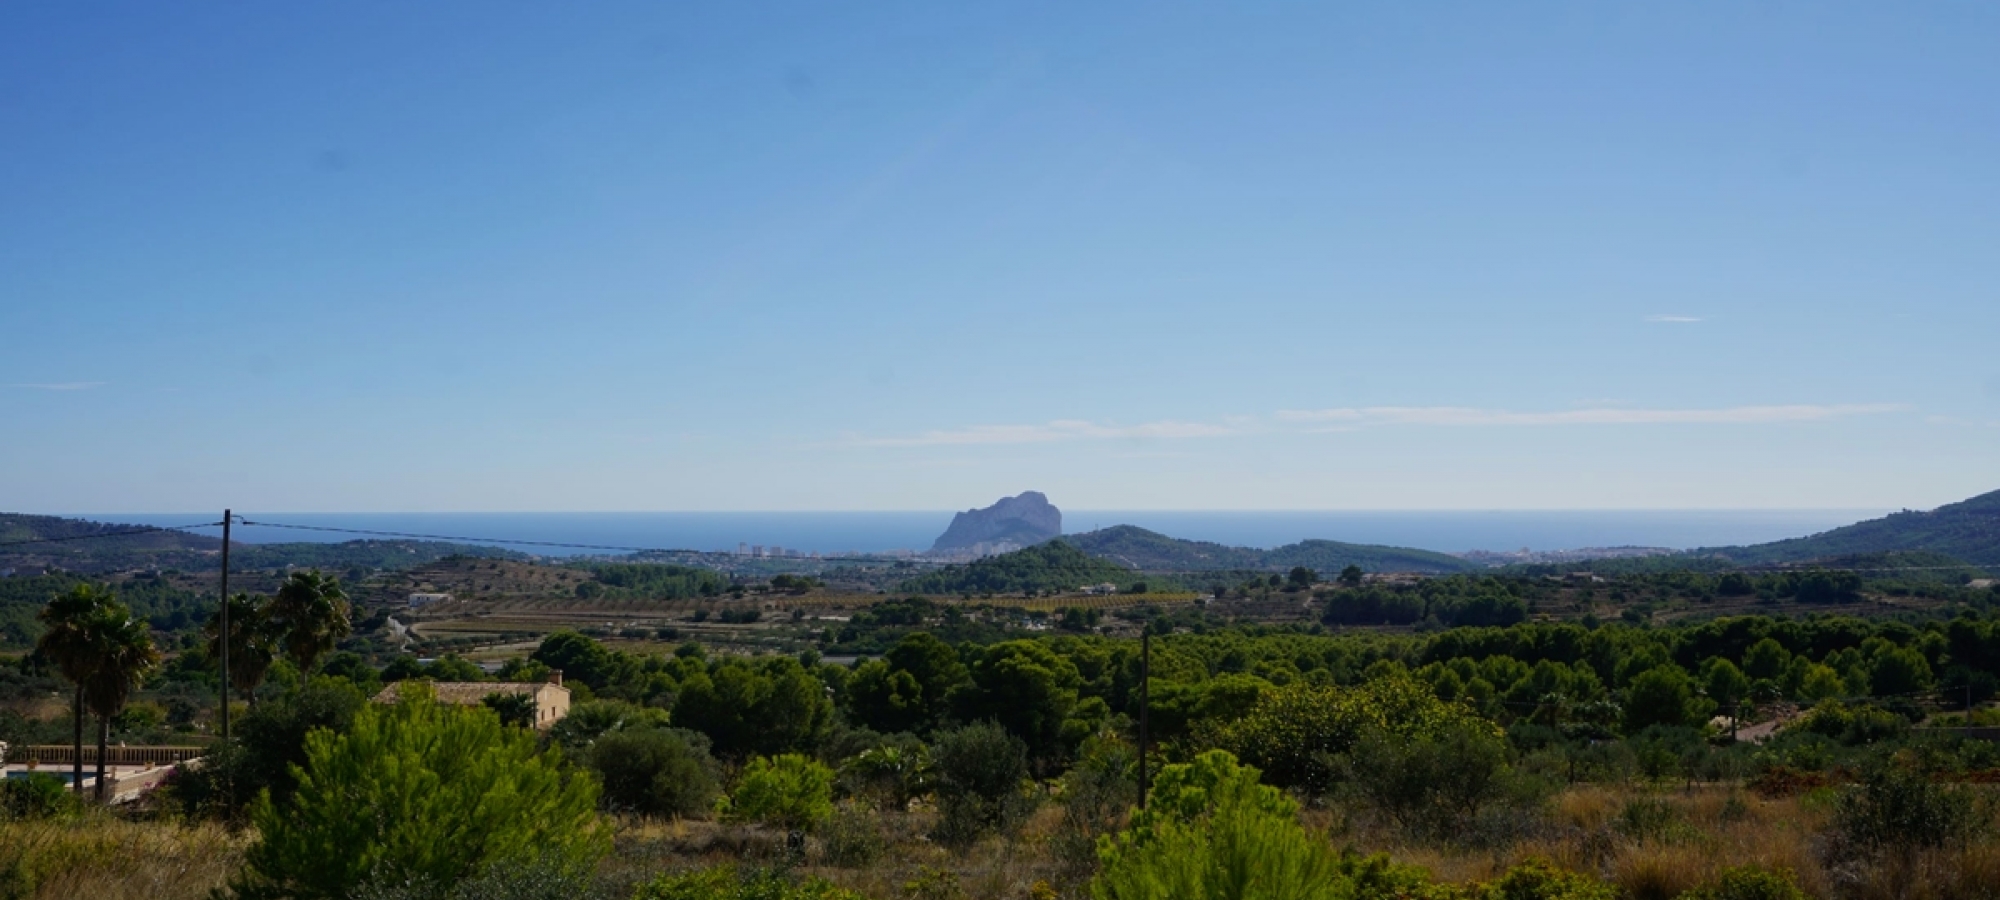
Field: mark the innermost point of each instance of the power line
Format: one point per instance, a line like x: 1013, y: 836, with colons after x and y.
x: 149, y: 529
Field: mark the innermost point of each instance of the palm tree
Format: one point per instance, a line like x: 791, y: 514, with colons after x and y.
x: 68, y: 642
x: 125, y: 654
x: 253, y: 643
x: 310, y: 612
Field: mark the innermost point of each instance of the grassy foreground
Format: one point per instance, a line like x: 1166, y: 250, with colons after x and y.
x: 1646, y: 843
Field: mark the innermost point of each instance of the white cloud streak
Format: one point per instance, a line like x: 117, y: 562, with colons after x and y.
x: 1318, y: 421
x: 1052, y: 432
x: 1674, y: 320
x: 61, y: 386
x: 1469, y: 416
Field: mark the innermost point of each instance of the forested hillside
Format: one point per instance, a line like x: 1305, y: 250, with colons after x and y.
x: 1051, y: 566
x: 185, y: 551
x: 1968, y: 530
x: 71, y: 551
x: 1151, y: 551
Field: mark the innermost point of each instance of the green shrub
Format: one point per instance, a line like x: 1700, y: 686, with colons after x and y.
x: 933, y: 884
x: 1434, y: 784
x: 890, y: 776
x: 978, y: 772
x: 852, y: 838
x: 655, y: 772
x: 728, y: 883
x: 792, y: 791
x: 1095, y: 795
x: 1539, y: 880
x: 1649, y: 819
x: 592, y: 719
x: 1235, y: 851
x: 1898, y: 810
x: 267, y: 748
x: 419, y: 793
x: 38, y: 796
x: 1185, y: 792
x: 1749, y: 883
x: 1297, y: 734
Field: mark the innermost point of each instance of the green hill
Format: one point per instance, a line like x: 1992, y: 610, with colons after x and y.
x: 1050, y: 566
x: 1332, y: 556
x: 82, y: 553
x: 1138, y: 548
x: 1152, y: 551
x: 1967, y: 531
x: 78, y: 549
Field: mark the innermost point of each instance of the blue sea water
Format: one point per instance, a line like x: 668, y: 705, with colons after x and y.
x: 875, y: 532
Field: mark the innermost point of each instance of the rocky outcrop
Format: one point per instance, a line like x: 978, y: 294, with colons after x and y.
x: 1024, y: 520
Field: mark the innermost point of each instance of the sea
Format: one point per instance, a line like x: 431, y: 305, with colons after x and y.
x: 1449, y: 531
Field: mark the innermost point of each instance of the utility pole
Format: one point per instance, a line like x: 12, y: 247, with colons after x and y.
x: 1145, y: 704
x: 223, y: 631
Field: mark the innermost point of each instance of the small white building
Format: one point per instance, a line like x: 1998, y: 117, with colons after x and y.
x: 419, y: 601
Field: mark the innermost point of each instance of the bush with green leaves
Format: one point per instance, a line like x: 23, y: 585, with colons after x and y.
x: 1535, y: 880
x: 1749, y: 883
x: 793, y: 792
x: 1298, y: 734
x: 852, y: 837
x: 655, y: 771
x: 1185, y: 792
x: 1663, y: 696
x: 890, y: 776
x: 762, y: 706
x: 1095, y: 796
x: 1897, y: 810
x: 729, y: 883
x: 592, y: 719
x: 266, y: 751
x: 1211, y: 830
x: 978, y: 773
x: 419, y: 793
x: 39, y: 795
x: 1433, y: 784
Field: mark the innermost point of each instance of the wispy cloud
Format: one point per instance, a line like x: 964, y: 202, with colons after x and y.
x: 1357, y: 418
x: 1051, y: 432
x: 1674, y: 320
x: 1464, y: 415
x: 60, y: 386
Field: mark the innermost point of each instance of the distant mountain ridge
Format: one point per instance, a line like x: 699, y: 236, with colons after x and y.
x: 1968, y: 530
x: 1138, y: 548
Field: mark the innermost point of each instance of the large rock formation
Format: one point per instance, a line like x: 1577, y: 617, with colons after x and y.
x: 1024, y: 521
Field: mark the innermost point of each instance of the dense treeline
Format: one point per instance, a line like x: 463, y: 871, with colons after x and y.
x: 165, y: 607
x: 1149, y: 550
x: 1453, y: 738
x: 1047, y: 567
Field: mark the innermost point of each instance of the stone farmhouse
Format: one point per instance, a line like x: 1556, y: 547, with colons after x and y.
x: 551, y: 698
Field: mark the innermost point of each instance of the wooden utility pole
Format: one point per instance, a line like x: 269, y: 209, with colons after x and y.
x: 1145, y: 704
x: 223, y: 631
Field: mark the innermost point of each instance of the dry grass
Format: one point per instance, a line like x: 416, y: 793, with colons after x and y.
x: 1587, y: 829
x: 100, y: 856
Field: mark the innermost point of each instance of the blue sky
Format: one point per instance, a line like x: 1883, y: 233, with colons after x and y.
x: 505, y: 256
